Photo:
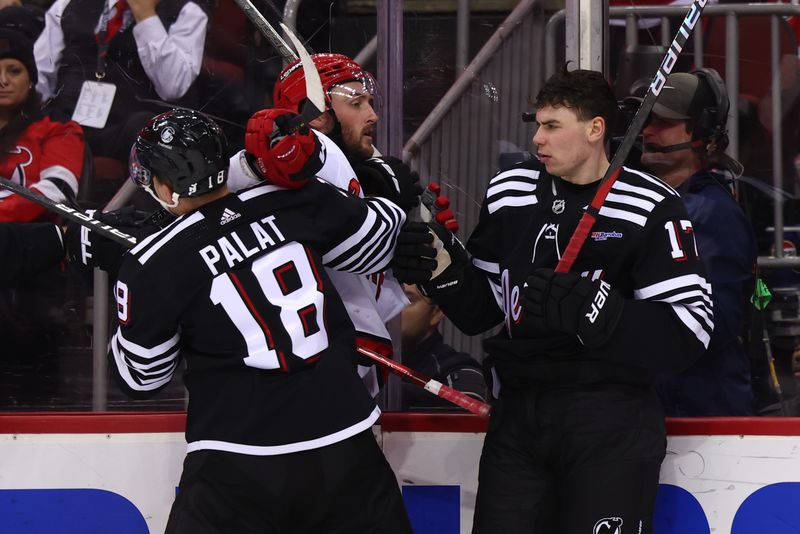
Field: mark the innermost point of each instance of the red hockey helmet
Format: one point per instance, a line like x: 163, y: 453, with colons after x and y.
x: 334, y: 69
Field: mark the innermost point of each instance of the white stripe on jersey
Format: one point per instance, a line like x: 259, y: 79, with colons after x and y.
x: 512, y: 202
x: 629, y: 200
x: 517, y: 173
x: 693, y: 324
x: 50, y: 190
x: 256, y: 450
x: 355, y: 253
x: 165, y: 237
x: 144, y: 352
x: 642, y: 191
x: 694, y: 294
x: 502, y: 187
x: 58, y: 172
x: 665, y: 286
x: 141, y: 376
x: 655, y: 181
x: 510, y: 185
x: 260, y: 190
x: 488, y: 266
x: 613, y: 213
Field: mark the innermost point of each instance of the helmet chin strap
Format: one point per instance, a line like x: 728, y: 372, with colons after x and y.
x: 175, y: 198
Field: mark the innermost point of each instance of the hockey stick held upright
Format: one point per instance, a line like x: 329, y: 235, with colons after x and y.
x: 665, y: 68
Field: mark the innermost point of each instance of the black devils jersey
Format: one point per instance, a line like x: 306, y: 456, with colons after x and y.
x: 237, y: 289
x: 641, y: 244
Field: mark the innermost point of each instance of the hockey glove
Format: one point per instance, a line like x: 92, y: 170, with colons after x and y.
x: 90, y: 249
x: 389, y: 178
x: 435, y: 206
x: 572, y: 304
x: 280, y: 155
x: 451, y: 259
x: 414, y: 256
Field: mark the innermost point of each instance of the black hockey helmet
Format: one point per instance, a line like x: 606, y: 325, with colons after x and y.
x: 183, y: 148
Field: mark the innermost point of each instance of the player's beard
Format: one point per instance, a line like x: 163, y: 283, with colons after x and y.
x: 355, y: 144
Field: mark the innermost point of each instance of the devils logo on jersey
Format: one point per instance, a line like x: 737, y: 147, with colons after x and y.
x: 546, y: 241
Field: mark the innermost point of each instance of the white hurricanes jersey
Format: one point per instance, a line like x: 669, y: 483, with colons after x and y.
x: 371, y: 301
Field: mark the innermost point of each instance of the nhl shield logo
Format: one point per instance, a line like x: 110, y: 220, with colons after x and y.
x: 558, y: 206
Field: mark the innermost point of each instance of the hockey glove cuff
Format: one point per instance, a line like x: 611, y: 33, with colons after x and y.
x: 90, y: 249
x: 451, y: 259
x: 389, y: 178
x: 569, y: 303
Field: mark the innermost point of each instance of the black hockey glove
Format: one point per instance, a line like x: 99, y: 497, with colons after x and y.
x: 414, y: 256
x: 90, y: 249
x: 451, y: 258
x: 570, y: 303
x: 389, y: 178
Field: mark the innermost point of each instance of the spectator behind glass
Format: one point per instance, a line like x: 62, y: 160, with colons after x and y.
x: 35, y: 151
x: 425, y: 350
x: 154, y: 53
x: 683, y: 145
x: 28, y: 19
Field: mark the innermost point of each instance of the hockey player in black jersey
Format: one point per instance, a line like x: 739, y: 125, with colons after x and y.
x: 278, y: 423
x: 576, y: 437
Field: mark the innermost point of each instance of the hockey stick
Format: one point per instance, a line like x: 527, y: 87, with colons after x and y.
x: 71, y: 213
x: 275, y: 40
x: 266, y: 29
x: 461, y: 400
x: 667, y: 64
x: 315, y: 97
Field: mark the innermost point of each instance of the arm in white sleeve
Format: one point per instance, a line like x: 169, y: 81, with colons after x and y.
x: 172, y: 59
x: 48, y: 48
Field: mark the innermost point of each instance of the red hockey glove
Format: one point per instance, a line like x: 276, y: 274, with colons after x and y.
x: 438, y: 207
x: 572, y: 304
x: 283, y: 157
x: 389, y: 178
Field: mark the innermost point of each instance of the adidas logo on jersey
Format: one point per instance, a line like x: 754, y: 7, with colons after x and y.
x: 228, y: 216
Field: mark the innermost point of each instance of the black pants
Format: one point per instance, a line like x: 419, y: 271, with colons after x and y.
x: 344, y: 488
x: 571, y: 460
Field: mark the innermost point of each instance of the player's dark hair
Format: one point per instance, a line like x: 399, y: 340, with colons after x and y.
x: 584, y: 91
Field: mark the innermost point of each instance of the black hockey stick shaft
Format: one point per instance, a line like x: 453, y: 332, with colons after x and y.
x: 659, y: 80
x: 71, y: 213
x: 447, y: 393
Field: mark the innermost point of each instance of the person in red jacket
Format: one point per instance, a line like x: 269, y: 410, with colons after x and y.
x: 35, y: 152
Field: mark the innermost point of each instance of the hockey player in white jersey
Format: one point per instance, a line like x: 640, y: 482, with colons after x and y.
x: 371, y: 301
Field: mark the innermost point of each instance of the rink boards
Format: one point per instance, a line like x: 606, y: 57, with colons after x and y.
x: 97, y: 473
